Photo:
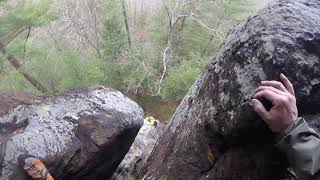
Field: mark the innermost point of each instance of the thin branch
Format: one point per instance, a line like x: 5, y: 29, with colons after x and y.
x: 78, y: 28
x: 175, y: 7
x: 217, y: 25
x: 95, y: 25
x: 179, y: 36
x: 16, y: 34
x: 207, y: 45
x: 168, y: 14
x: 26, y: 42
x: 193, y: 16
x: 189, y: 3
x: 85, y: 36
x: 57, y: 46
x: 96, y: 31
x: 177, y: 20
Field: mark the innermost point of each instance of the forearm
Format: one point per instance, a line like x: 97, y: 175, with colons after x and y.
x: 301, y: 144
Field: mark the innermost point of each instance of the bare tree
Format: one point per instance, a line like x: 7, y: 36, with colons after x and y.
x: 78, y: 27
x: 214, y: 32
x: 177, y: 12
x: 176, y: 15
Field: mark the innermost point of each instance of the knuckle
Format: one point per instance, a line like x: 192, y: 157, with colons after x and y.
x: 261, y: 93
x: 287, y: 99
x: 268, y: 90
x: 279, y: 86
x: 283, y: 100
x: 277, y: 83
x: 291, y: 97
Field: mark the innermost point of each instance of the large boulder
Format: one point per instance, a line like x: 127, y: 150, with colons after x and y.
x: 81, y: 134
x: 215, y: 134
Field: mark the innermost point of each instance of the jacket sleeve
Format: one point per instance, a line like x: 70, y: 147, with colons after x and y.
x: 301, y: 144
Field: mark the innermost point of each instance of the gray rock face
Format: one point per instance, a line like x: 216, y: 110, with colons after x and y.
x: 82, y: 134
x: 139, y: 152
x: 215, y: 134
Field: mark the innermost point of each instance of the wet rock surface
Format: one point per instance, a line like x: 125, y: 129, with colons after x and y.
x: 81, y: 134
x: 215, y: 134
x: 139, y: 151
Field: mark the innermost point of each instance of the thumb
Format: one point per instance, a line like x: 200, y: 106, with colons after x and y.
x: 259, y: 108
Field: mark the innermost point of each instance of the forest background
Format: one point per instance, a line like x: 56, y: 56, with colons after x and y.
x: 150, y: 50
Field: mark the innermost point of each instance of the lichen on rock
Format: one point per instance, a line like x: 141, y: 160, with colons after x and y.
x: 216, y: 118
x: 76, y: 134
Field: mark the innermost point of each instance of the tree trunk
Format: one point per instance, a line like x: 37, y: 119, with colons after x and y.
x: 125, y: 16
x: 18, y: 66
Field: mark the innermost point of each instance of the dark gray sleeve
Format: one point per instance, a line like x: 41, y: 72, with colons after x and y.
x: 301, y: 144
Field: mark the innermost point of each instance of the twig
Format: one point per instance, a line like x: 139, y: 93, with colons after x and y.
x: 168, y: 14
x: 25, y: 43
x: 17, y: 33
x: 54, y: 40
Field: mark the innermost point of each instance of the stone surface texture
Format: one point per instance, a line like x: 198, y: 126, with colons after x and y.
x: 139, y: 152
x: 82, y: 134
x: 214, y: 133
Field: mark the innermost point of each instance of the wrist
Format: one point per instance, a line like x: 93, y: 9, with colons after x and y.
x: 289, y: 128
x: 288, y: 124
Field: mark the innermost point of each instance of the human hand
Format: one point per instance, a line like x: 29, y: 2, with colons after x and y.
x: 284, y: 109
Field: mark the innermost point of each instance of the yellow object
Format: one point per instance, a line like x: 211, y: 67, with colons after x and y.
x: 152, y: 121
